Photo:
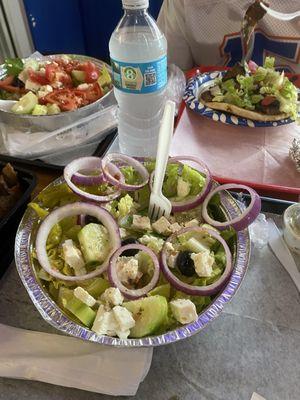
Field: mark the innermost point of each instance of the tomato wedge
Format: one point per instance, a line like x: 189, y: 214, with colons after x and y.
x: 64, y: 98
x: 91, y: 94
x: 37, y: 77
x: 268, y: 100
x: 91, y: 71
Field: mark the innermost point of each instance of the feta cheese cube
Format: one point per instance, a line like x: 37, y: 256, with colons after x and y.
x: 170, y: 247
x: 183, y: 188
x: 83, y: 86
x: 192, y: 223
x: 162, y: 226
x: 33, y: 86
x: 175, y: 227
x: 112, y: 296
x: 105, y: 322
x: 123, y: 233
x: 142, y: 223
x: 184, y: 310
x: 124, y: 318
x: 171, y: 260
x: 203, y: 263
x: 73, y: 257
x: 44, y: 90
x: 128, y: 269
x: 84, y: 296
x: 57, y: 84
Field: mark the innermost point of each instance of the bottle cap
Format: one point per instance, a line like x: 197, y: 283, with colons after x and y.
x: 135, y: 4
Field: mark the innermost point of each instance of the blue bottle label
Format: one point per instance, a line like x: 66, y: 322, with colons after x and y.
x: 140, y: 77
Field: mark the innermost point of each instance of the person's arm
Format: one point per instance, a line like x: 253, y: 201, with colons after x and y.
x: 171, y: 21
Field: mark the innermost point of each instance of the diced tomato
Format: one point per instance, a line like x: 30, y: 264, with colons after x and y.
x: 6, y: 81
x: 38, y: 77
x: 268, y: 100
x: 64, y: 98
x: 92, y: 94
x: 91, y: 71
x: 54, y: 73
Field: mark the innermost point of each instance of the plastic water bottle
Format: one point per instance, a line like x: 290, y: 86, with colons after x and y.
x: 138, y: 52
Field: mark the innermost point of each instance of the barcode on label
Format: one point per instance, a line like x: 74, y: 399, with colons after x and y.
x: 150, y: 79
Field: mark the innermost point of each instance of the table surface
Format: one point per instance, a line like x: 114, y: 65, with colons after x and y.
x: 253, y: 346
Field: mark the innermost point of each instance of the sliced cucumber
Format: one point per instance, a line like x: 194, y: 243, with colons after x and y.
x: 84, y: 313
x: 26, y: 104
x: 162, y: 290
x: 79, y: 76
x: 149, y: 314
x: 39, y: 110
x: 53, y: 109
x: 94, y: 242
x: 97, y: 287
x: 31, y: 63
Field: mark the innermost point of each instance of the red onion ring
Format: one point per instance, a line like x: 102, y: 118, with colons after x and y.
x: 138, y: 166
x: 113, y: 273
x: 190, y: 289
x: 238, y: 223
x: 84, y: 163
x: 71, y: 210
x: 185, y: 205
x: 92, y: 180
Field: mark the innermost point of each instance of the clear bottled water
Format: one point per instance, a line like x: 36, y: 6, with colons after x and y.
x: 138, y: 52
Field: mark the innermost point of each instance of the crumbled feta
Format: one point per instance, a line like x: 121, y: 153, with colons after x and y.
x: 184, y: 310
x: 42, y: 70
x: 171, y: 260
x: 192, y: 223
x: 175, y: 227
x: 84, y: 296
x: 124, y: 318
x: 83, y: 86
x: 203, y: 263
x: 105, y: 322
x: 123, y: 233
x: 57, y: 84
x: 183, y: 188
x: 33, y: 86
x: 128, y: 269
x: 154, y: 243
x: 73, y: 257
x: 170, y: 247
x: 112, y: 296
x: 115, y: 322
x: 44, y: 90
x: 162, y: 226
x: 142, y: 223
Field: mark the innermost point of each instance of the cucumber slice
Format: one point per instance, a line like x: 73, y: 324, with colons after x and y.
x: 79, y: 76
x: 149, y: 314
x: 195, y: 246
x: 162, y: 290
x: 94, y: 242
x: 104, y: 78
x: 53, y: 109
x: 97, y: 287
x: 39, y: 110
x: 26, y: 104
x: 84, y: 313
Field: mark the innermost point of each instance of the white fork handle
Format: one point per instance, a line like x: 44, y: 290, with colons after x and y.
x: 163, y: 147
x: 279, y: 15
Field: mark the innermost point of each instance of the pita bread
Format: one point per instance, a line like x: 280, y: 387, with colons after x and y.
x: 242, y: 112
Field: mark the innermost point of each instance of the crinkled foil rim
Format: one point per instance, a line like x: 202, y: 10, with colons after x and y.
x: 55, y: 317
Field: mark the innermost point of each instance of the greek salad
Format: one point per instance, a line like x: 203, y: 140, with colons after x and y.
x: 110, y: 268
x: 54, y: 85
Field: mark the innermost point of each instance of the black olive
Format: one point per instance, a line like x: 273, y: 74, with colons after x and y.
x: 185, y: 264
x: 130, y: 252
x: 91, y: 220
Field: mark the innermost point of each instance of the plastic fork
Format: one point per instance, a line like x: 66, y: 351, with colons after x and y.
x: 280, y: 15
x: 159, y: 205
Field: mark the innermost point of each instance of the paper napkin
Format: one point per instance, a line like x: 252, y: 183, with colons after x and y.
x: 70, y: 362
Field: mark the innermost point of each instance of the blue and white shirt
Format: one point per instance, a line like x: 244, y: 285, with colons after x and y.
x: 207, y: 32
